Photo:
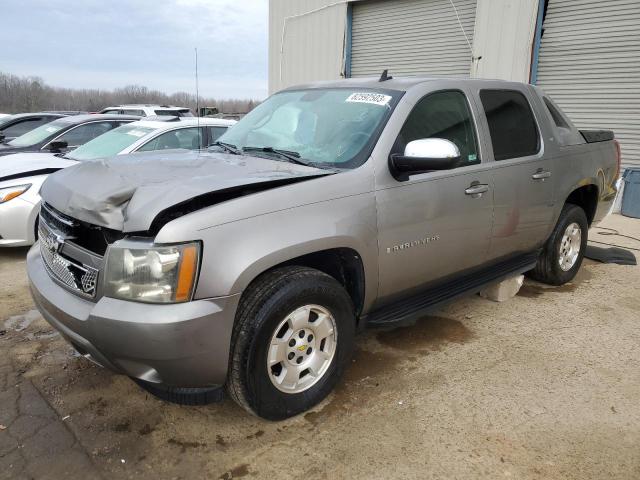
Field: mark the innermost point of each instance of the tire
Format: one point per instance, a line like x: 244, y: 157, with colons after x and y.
x: 181, y: 395
x: 264, y: 316
x: 548, y: 269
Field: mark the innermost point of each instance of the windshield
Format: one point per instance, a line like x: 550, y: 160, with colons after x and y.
x: 110, y: 143
x: 39, y: 134
x: 335, y: 127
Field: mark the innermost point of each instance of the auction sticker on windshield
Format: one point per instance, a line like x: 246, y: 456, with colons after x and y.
x: 136, y: 133
x: 368, y: 97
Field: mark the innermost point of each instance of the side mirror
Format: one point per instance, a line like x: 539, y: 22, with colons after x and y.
x: 425, y: 155
x: 57, y: 147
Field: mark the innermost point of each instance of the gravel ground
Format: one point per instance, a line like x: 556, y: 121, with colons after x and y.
x: 545, y: 385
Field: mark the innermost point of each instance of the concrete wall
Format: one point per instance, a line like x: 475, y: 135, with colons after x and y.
x: 314, y: 40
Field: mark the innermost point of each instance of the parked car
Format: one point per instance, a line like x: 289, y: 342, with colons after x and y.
x: 13, y: 126
x: 149, y: 135
x: 148, y: 110
x: 329, y: 208
x: 64, y: 134
x: 22, y: 174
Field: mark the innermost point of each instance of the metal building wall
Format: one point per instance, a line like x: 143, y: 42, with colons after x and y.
x: 503, y: 39
x: 590, y: 65
x: 313, y: 42
x: 314, y: 47
x: 412, y: 37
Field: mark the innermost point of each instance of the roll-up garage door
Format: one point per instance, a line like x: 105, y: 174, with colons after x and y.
x: 411, y: 37
x: 590, y: 65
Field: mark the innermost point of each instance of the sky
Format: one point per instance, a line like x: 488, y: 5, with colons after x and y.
x: 114, y: 43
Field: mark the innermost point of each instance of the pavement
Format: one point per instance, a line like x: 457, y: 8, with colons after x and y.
x: 543, y: 386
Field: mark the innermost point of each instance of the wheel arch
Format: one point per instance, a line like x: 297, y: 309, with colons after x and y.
x: 344, y: 264
x: 585, y: 196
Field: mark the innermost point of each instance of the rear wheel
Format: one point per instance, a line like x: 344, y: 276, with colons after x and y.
x: 563, y: 252
x: 292, y: 339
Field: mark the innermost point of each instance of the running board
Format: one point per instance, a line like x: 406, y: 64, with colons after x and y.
x: 409, y: 309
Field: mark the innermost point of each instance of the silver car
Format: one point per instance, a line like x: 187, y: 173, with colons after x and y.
x: 329, y: 208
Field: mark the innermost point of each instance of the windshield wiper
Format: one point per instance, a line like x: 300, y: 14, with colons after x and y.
x: 291, y: 156
x: 228, y: 147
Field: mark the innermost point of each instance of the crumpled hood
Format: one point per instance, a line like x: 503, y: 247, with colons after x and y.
x: 127, y: 192
x: 27, y: 164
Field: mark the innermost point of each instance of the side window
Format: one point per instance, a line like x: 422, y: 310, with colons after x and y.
x: 512, y: 126
x: 215, y: 133
x: 25, y: 126
x: 82, y: 134
x: 188, y: 138
x: 139, y: 113
x: 555, y: 114
x: 442, y: 115
x: 112, y: 112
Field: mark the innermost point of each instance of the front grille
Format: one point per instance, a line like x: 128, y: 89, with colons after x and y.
x: 90, y: 237
x: 58, y: 221
x: 78, y: 277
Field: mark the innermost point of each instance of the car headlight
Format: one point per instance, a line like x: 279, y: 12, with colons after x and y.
x: 10, y: 193
x: 158, y: 274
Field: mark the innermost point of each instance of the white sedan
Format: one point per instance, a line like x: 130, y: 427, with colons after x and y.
x: 22, y: 174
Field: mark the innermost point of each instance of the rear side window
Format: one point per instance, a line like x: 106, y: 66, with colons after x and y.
x: 513, y: 128
x: 215, y: 133
x: 24, y: 126
x: 139, y: 113
x: 555, y: 114
x: 189, y: 138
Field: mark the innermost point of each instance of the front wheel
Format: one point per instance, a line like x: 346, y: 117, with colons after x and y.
x: 563, y: 252
x: 292, y: 339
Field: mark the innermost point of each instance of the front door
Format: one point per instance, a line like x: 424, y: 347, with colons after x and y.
x: 434, y: 224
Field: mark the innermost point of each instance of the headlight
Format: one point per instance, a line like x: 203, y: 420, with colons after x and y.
x: 9, y: 193
x: 154, y: 274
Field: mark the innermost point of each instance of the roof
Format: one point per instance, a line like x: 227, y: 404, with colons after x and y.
x: 185, y: 122
x: 35, y: 114
x: 401, y: 84
x: 95, y: 117
x: 150, y: 105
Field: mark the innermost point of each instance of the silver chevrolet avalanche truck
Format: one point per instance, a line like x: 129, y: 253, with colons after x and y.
x: 330, y: 207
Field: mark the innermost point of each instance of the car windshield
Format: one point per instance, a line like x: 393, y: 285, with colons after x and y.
x: 39, y: 134
x: 331, y: 127
x: 110, y: 143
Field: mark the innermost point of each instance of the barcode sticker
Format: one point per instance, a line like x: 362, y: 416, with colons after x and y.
x: 368, y: 97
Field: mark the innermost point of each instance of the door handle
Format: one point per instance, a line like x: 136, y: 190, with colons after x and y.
x: 541, y: 175
x: 476, y: 190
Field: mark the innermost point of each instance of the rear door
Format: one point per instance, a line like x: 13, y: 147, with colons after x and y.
x: 522, y: 173
x: 434, y: 224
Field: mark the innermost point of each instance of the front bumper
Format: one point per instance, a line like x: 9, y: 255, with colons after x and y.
x: 17, y: 222
x: 181, y: 345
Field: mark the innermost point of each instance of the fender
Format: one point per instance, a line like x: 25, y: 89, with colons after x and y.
x: 235, y: 253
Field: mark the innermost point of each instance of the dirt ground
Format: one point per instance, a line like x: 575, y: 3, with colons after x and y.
x: 545, y: 385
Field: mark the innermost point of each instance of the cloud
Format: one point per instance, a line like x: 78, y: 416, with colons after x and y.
x: 97, y: 44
